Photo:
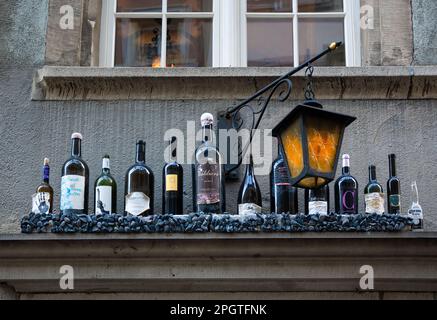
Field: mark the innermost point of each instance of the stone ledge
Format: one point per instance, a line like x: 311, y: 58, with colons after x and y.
x: 86, y: 83
x: 405, y: 262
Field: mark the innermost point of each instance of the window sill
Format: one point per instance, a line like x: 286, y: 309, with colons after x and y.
x: 187, y: 263
x: 86, y: 83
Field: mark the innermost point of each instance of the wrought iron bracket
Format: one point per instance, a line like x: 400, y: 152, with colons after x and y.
x: 231, y: 118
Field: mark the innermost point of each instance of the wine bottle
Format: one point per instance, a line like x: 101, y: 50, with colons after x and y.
x: 105, y: 190
x: 283, y: 197
x: 139, y: 185
x: 42, y: 200
x: 208, y: 182
x: 75, y: 180
x: 374, y: 194
x: 249, y: 196
x: 346, y: 190
x: 393, y: 188
x: 415, y: 212
x: 172, y: 183
x: 317, y: 201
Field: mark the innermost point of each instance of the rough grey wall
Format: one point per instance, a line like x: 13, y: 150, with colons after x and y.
x: 31, y: 131
x: 424, y: 30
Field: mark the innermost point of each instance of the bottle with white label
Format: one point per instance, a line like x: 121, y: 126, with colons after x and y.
x: 105, y: 190
x: 42, y: 199
x: 374, y: 194
x: 139, y: 185
x: 75, y: 180
x: 249, y: 196
x: 317, y: 201
x: 415, y: 212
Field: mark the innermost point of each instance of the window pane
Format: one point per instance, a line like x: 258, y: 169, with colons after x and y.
x: 138, y: 42
x: 139, y: 5
x: 320, y: 5
x: 189, y: 43
x: 269, y: 6
x: 189, y: 5
x: 269, y: 42
x: 316, y: 34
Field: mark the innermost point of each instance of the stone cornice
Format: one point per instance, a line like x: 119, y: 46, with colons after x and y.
x: 220, y: 262
x: 86, y: 83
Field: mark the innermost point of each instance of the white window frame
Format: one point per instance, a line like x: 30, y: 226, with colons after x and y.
x: 229, y: 23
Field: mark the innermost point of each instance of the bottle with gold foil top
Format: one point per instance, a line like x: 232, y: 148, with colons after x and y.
x: 42, y: 200
x: 172, y: 182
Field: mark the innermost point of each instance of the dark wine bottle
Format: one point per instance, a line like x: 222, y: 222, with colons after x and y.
x: 249, y: 196
x: 42, y: 200
x: 172, y: 183
x: 75, y: 180
x: 393, y: 188
x: 317, y: 201
x: 139, y: 185
x: 208, y: 182
x: 283, y: 197
x: 374, y: 194
x: 346, y: 190
x: 105, y: 190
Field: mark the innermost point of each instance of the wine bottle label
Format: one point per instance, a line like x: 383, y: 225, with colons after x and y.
x: 318, y: 207
x: 171, y: 182
x: 72, y: 192
x: 41, y: 202
x: 348, y: 200
x: 137, y: 203
x: 249, y: 208
x: 208, y: 183
x: 103, y: 199
x: 374, y: 203
x: 416, y: 215
x: 395, y: 200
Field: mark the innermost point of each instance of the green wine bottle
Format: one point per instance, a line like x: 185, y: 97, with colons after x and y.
x: 105, y: 190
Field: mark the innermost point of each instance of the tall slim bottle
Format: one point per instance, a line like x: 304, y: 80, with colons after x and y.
x: 172, y: 183
x: 393, y: 188
x: 283, y: 197
x: 317, y: 201
x: 105, y: 190
x: 42, y: 200
x: 208, y: 179
x: 249, y: 196
x: 139, y: 185
x: 75, y: 180
x: 374, y: 194
x: 346, y: 190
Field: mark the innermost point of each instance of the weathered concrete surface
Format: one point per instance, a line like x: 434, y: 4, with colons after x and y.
x: 22, y: 32
x: 425, y: 35
x: 404, y: 262
x: 7, y: 292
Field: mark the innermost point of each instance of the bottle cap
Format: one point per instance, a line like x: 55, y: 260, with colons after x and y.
x: 141, y: 142
x: 106, y: 156
x: 46, y: 161
x: 76, y: 135
x: 346, y: 157
x: 206, y: 119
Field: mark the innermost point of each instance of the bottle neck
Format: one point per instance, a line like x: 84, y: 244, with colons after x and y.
x: 106, y: 169
x: 173, y: 151
x: 76, y: 148
x: 207, y: 135
x: 372, y: 174
x: 249, y: 167
x: 346, y: 167
x: 141, y: 153
x: 46, y: 174
x: 392, y: 166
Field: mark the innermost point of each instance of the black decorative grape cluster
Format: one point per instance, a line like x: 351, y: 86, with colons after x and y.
x: 225, y: 223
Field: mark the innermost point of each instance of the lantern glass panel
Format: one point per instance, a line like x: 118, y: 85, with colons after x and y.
x: 323, y: 137
x: 292, y: 145
x: 312, y: 183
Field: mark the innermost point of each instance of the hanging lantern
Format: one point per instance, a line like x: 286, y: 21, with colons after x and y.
x: 311, y: 139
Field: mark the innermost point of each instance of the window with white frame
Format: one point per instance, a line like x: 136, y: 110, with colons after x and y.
x: 228, y: 33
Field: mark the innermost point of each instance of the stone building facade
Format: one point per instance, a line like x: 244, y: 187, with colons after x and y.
x: 50, y: 86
